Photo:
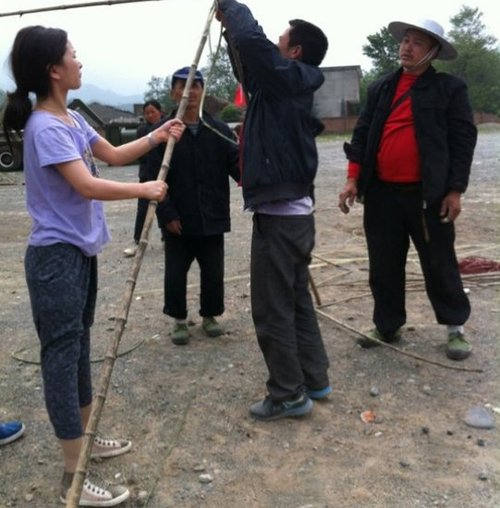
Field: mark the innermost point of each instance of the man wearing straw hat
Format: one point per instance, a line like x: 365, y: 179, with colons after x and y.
x: 409, y: 163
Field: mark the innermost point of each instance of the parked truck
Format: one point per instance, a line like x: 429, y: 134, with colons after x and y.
x: 11, y: 155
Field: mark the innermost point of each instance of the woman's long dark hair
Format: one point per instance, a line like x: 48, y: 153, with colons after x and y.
x: 35, y: 49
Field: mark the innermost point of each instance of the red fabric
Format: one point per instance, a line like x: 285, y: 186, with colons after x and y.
x: 240, y: 101
x: 239, y: 97
x: 353, y: 170
x: 474, y: 264
x: 398, y: 158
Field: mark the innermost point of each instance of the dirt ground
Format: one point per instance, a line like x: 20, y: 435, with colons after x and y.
x: 186, y: 408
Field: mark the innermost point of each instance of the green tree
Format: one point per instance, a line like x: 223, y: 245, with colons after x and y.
x: 219, y: 72
x: 478, y: 60
x: 231, y: 113
x: 367, y: 78
x: 383, y: 51
x: 159, y: 89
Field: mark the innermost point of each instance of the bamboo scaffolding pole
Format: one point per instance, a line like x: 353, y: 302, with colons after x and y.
x: 315, y: 291
x: 121, y: 320
x: 390, y: 346
x: 416, y: 286
x: 71, y: 6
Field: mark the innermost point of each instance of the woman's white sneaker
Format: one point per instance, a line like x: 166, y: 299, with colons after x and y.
x: 104, y: 448
x: 93, y: 495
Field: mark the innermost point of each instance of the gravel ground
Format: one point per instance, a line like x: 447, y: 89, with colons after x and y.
x: 186, y: 408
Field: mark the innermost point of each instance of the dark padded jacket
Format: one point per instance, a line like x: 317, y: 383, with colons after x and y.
x: 198, y: 179
x: 444, y: 127
x: 280, y: 157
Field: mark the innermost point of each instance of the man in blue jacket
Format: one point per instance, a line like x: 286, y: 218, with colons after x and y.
x: 280, y: 161
x: 195, y: 214
x: 409, y: 162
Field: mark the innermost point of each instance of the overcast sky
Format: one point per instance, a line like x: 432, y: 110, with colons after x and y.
x: 122, y: 46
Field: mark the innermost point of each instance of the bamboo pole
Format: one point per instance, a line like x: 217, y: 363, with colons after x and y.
x: 121, y: 320
x: 358, y: 333
x: 71, y: 6
x: 314, y: 290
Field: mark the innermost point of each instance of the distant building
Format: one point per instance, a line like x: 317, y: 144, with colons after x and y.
x: 99, y: 115
x: 116, y: 125
x: 111, y: 114
x: 336, y: 103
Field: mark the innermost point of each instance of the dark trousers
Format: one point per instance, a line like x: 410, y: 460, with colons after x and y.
x: 392, y: 216
x: 140, y: 218
x: 62, y: 284
x: 282, y: 309
x: 180, y: 251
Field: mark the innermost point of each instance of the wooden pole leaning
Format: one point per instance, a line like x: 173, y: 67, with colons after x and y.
x: 75, y: 492
x: 71, y: 6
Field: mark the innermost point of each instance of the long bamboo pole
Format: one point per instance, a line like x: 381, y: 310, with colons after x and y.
x: 358, y: 333
x: 121, y: 320
x: 71, y: 6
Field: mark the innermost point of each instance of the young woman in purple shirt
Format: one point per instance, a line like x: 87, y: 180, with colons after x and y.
x: 64, y: 194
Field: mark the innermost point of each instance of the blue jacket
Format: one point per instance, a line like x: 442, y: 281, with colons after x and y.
x: 444, y: 128
x: 280, y: 157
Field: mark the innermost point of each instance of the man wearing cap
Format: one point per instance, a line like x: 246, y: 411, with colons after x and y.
x: 195, y: 214
x: 409, y: 163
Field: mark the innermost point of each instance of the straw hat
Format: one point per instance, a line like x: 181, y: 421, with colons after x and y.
x: 398, y: 30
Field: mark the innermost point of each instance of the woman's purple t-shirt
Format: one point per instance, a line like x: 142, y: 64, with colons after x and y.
x: 59, y: 213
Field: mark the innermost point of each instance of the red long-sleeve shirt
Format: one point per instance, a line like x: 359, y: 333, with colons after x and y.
x: 398, y: 158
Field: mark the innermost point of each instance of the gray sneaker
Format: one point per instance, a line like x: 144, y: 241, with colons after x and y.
x: 211, y: 327
x: 389, y: 338
x: 267, y: 409
x: 180, y: 334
